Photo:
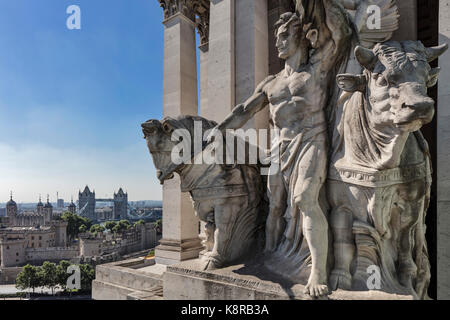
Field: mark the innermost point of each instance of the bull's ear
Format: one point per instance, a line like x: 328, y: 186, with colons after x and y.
x: 433, y: 77
x: 351, y: 82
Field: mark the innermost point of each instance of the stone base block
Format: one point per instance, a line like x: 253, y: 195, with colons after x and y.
x: 134, y: 279
x: 171, y: 251
x: 186, y: 281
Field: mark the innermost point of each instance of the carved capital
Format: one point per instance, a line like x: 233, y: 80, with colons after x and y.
x: 201, y: 9
x: 172, y: 7
x: 195, y: 10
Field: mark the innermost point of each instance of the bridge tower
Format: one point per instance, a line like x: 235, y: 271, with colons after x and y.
x: 120, y: 205
x: 86, y: 204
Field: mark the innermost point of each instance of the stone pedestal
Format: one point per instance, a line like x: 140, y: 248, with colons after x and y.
x: 173, y: 251
x: 180, y: 226
x: 185, y: 281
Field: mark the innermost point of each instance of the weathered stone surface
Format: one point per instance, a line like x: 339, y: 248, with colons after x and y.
x: 249, y: 281
x: 179, y: 97
x: 228, y: 199
x: 298, y: 97
x: 127, y: 280
x: 443, y: 159
x: 380, y: 172
x: 379, y: 165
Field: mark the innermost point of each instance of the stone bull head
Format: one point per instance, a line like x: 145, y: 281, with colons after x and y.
x: 395, y: 80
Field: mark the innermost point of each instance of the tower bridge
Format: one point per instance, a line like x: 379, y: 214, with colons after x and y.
x: 87, y: 200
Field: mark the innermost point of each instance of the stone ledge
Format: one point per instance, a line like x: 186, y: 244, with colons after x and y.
x: 185, y: 281
x: 127, y: 280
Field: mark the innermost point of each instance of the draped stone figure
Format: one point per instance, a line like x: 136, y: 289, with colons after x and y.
x: 380, y: 171
x: 350, y: 187
x: 314, y: 43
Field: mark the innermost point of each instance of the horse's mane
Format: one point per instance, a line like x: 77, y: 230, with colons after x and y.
x: 187, y: 122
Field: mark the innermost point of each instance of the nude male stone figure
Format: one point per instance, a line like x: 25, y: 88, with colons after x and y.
x: 312, y: 42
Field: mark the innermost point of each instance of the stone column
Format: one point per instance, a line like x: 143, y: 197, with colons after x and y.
x: 180, y: 239
x: 204, y: 51
x: 221, y: 60
x: 443, y: 158
x: 252, y: 54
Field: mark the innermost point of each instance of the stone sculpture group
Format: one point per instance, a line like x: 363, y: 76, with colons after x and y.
x: 355, y: 177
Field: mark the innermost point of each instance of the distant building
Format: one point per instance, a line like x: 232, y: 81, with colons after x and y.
x: 60, y: 203
x: 40, y: 235
x: 72, y: 207
x: 105, y: 214
x: 43, y: 215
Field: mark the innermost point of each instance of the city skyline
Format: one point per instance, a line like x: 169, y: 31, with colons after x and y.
x: 71, y: 101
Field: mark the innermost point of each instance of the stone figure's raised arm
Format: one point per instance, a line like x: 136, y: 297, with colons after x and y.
x: 339, y: 25
x: 244, y: 112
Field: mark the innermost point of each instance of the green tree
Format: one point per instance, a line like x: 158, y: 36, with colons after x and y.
x: 121, y: 226
x: 158, y: 226
x: 82, y: 228
x: 87, y: 275
x: 109, y: 225
x: 61, y: 273
x: 96, y: 228
x: 139, y: 223
x: 49, y: 275
x: 27, y: 278
x: 74, y: 222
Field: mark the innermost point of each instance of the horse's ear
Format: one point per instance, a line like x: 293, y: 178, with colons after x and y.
x: 433, y: 77
x: 167, y: 126
x: 351, y: 82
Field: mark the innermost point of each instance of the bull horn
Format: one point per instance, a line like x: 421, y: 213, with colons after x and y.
x: 365, y: 57
x: 434, y: 52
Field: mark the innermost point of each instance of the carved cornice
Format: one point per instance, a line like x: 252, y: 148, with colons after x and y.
x: 195, y: 10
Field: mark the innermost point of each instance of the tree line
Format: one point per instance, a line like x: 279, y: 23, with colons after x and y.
x: 77, y: 224
x: 51, y: 275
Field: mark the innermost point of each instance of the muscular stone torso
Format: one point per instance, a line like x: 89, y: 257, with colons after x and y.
x: 295, y: 105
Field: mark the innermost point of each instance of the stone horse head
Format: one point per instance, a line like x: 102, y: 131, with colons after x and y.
x: 158, y: 135
x: 228, y: 198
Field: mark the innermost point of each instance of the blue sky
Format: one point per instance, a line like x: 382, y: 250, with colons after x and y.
x: 71, y: 101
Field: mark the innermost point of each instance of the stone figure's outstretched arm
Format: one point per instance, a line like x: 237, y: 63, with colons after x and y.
x: 244, y: 112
